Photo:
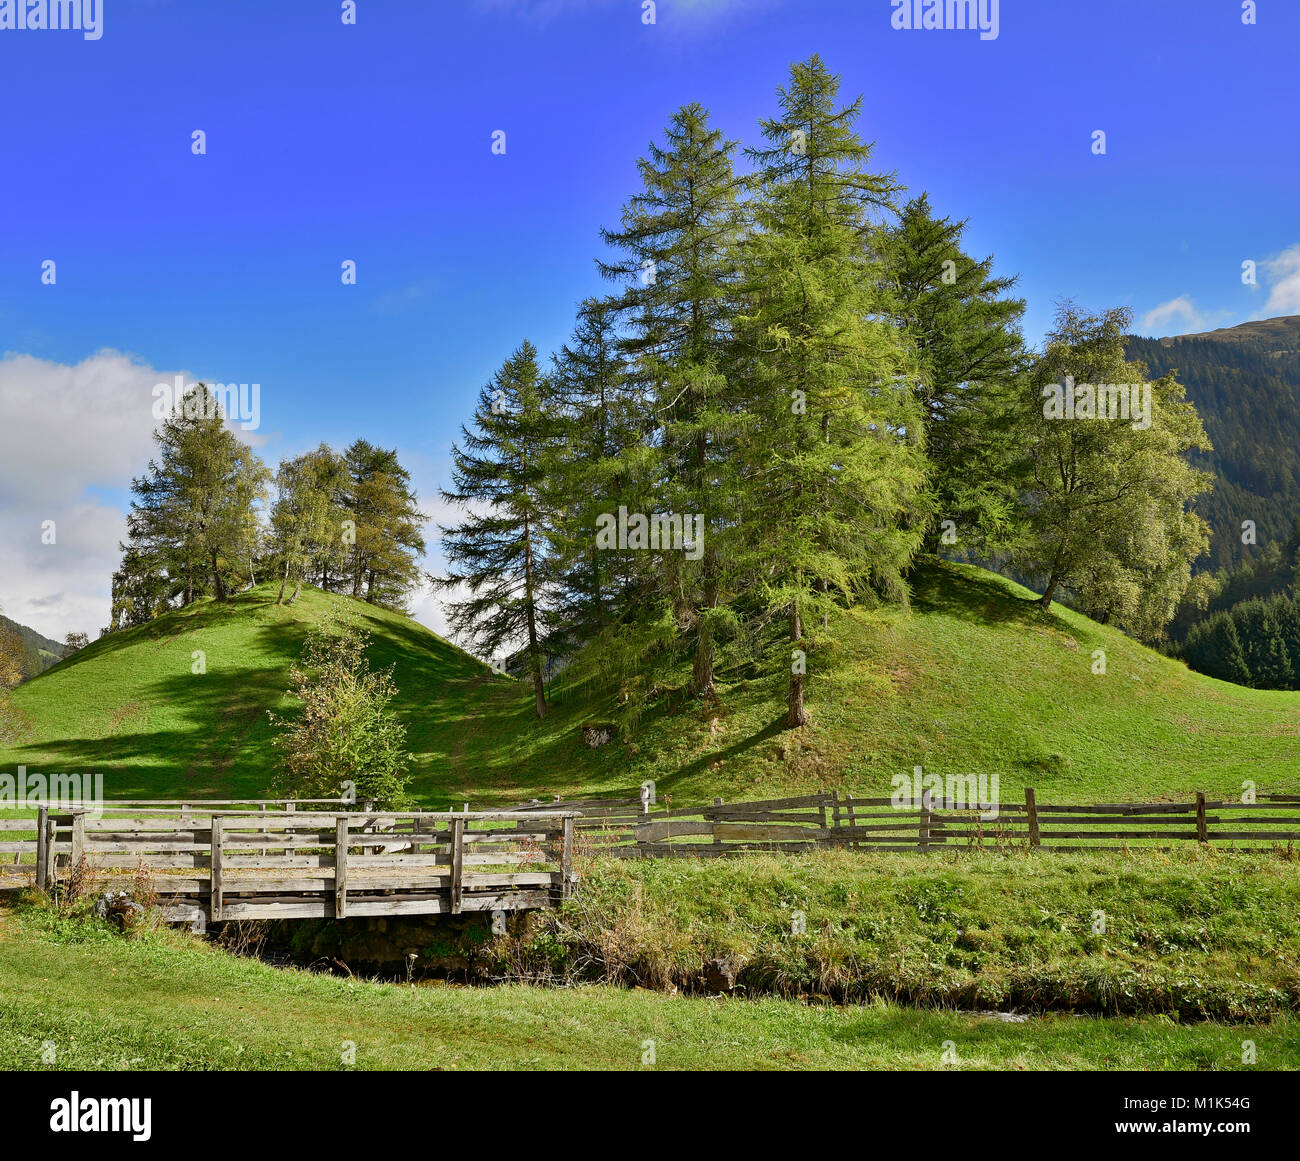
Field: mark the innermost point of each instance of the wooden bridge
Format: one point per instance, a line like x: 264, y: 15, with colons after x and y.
x: 295, y: 860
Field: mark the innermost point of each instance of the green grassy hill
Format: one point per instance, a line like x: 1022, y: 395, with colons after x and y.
x: 974, y: 678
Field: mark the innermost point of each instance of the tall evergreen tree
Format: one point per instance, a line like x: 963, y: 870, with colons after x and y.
x: 967, y: 352
x: 834, y: 466
x: 601, y: 422
x: 384, y: 541
x: 193, y: 519
x: 678, y: 239
x: 1214, y: 647
x: 500, y: 471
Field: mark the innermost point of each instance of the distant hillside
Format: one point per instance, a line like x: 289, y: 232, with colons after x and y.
x: 40, y: 651
x: 1245, y: 382
x: 975, y: 678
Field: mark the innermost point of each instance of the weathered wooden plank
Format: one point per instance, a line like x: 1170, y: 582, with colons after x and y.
x: 214, y: 877
x: 457, y: 862
x: 42, y: 849
x: 341, y: 869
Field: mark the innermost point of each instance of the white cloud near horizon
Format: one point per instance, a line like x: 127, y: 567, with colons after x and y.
x: 1178, y: 316
x: 1282, y: 272
x: 1278, y: 274
x: 70, y: 434
x: 73, y: 436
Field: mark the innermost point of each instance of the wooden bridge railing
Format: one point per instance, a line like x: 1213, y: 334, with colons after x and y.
x: 312, y: 863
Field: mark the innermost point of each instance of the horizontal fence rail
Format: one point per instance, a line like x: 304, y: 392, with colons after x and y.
x: 631, y: 828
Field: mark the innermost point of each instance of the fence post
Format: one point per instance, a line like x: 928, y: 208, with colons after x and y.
x: 457, y: 861
x: 42, y: 841
x: 1031, y: 813
x: 290, y: 808
x: 1202, y: 831
x: 566, y: 858
x: 214, y: 886
x: 926, y: 799
x: 51, y: 852
x: 341, y: 867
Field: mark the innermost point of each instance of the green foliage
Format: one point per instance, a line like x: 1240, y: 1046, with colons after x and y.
x: 832, y: 497
x: 1191, y: 935
x: 967, y: 355
x: 498, y: 551
x: 1256, y: 642
x: 192, y: 525
x: 306, y: 521
x: 346, y: 733
x: 1107, y: 503
x: 678, y: 242
x: 383, y: 543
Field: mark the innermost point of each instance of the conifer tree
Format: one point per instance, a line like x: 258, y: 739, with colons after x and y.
x: 967, y: 352
x: 305, y: 524
x: 499, y: 551
x: 603, y: 461
x: 832, y: 497
x: 1214, y: 647
x: 384, y: 541
x: 193, y: 519
x: 678, y: 241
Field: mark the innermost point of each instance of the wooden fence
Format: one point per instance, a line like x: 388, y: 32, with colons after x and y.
x: 630, y: 828
x: 293, y: 859
x: 302, y: 862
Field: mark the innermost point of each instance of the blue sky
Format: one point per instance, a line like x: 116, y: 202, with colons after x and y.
x: 372, y: 142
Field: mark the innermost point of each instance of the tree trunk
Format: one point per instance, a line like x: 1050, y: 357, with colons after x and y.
x: 1046, y: 599
x: 534, y: 656
x: 702, y: 680
x: 796, y: 715
x: 284, y: 580
x: 297, y: 588
x: 217, y: 583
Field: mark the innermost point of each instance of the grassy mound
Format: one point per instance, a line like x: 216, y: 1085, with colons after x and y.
x: 974, y: 678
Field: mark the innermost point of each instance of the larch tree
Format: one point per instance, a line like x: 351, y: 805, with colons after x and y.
x: 498, y: 553
x: 383, y: 537
x: 678, y: 244
x: 832, y: 500
x: 194, y: 517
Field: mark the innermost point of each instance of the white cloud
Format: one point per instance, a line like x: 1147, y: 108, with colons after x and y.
x: 1178, y: 316
x: 1283, y: 275
x: 71, y: 439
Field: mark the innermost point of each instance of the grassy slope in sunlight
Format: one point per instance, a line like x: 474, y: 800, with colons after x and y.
x: 974, y: 678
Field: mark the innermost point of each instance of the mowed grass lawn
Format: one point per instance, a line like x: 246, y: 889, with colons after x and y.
x: 167, y: 1001
x: 973, y: 679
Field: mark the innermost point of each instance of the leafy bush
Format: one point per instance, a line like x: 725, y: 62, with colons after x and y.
x: 346, y: 731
